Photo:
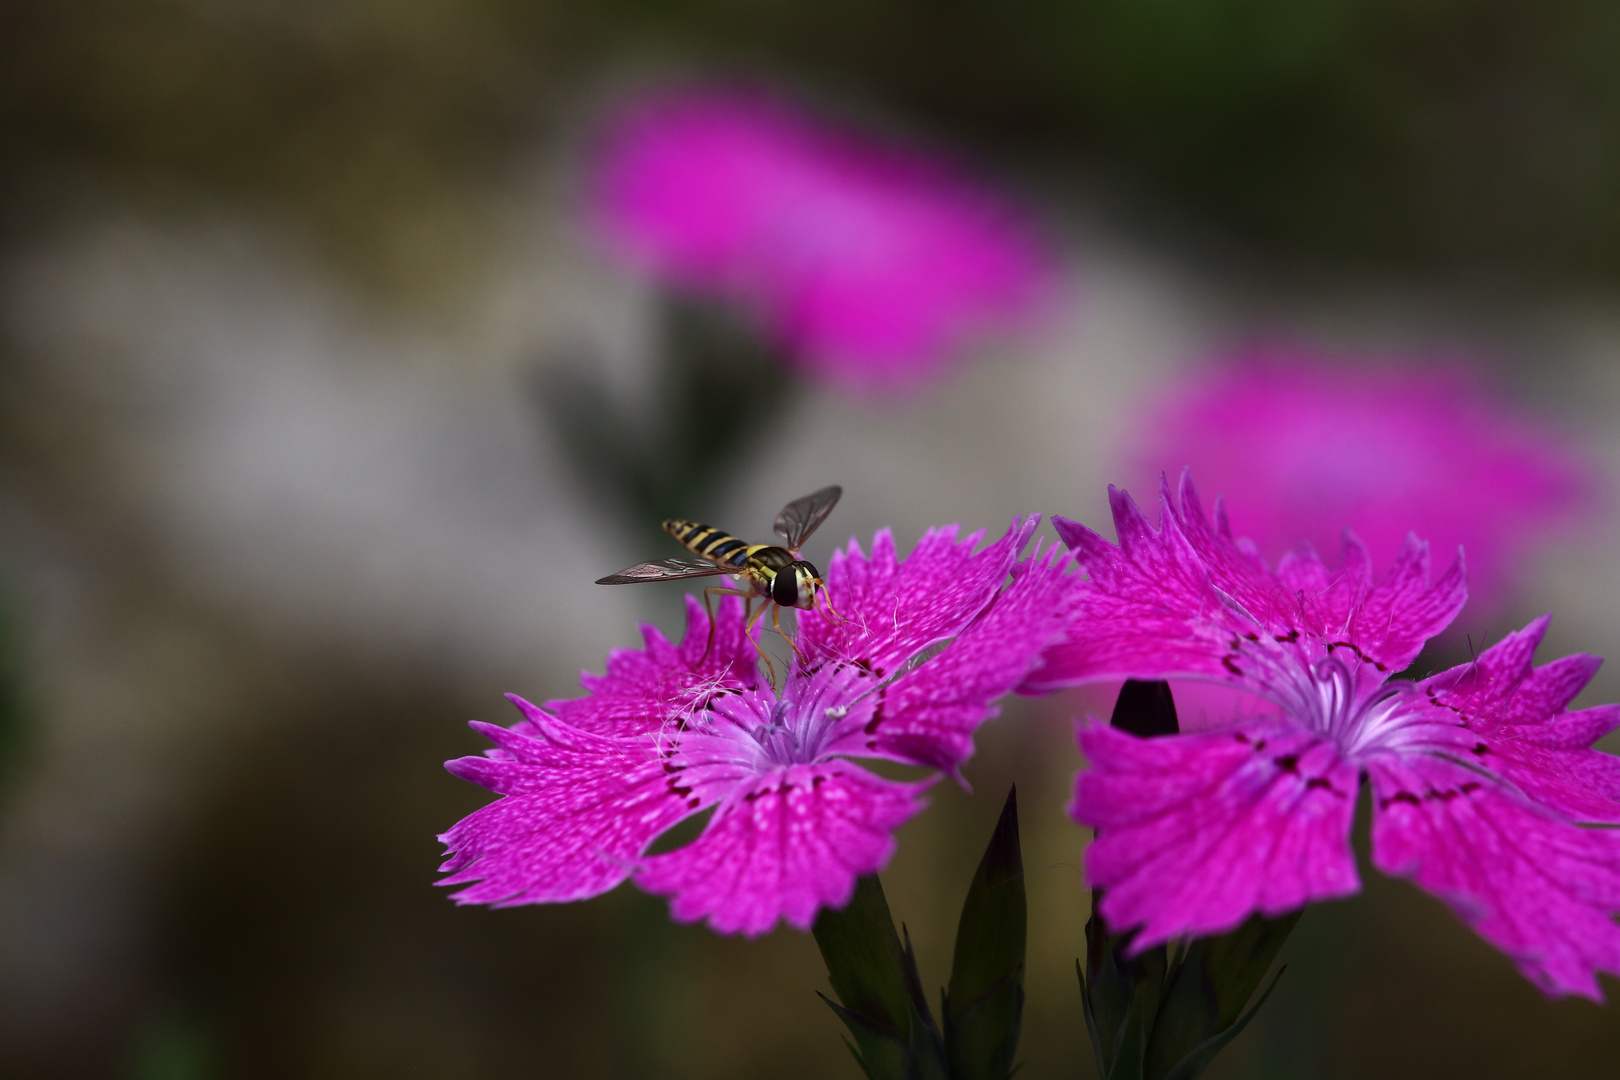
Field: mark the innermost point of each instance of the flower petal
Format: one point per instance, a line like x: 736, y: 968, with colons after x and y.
x: 577, y: 810
x: 1149, y: 607
x: 783, y: 847
x: 928, y: 716
x: 646, y: 689
x: 1393, y: 621
x: 1541, y: 890
x: 1515, y: 725
x: 1187, y: 600
x: 888, y: 610
x: 1197, y: 832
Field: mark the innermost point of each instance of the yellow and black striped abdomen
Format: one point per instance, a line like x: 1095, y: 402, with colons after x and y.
x: 709, y: 542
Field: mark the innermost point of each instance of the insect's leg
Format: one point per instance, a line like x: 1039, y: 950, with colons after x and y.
x: 776, y: 621
x: 708, y: 608
x: 754, y: 618
x: 748, y: 629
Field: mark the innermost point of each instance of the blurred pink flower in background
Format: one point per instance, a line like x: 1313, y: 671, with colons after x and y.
x: 871, y: 265
x: 1305, y: 442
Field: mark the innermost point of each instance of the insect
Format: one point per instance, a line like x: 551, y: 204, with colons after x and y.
x: 769, y: 572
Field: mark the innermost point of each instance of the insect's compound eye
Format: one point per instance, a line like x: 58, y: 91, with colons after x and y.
x: 808, y: 581
x: 785, y: 588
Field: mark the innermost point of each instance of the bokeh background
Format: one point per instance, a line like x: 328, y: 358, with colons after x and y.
x: 285, y: 289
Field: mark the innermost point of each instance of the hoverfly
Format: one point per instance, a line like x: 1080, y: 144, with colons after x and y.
x: 771, y: 572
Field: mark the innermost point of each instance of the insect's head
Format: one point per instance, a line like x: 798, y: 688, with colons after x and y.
x: 796, y: 586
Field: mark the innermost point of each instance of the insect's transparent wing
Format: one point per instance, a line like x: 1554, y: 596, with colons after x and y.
x: 665, y: 570
x: 801, y: 517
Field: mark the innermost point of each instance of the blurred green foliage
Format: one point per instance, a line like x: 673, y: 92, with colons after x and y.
x: 370, y: 122
x: 173, y: 1047
x: 13, y: 703
x: 1466, y: 135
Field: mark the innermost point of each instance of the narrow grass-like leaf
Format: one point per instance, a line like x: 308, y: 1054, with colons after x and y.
x: 1208, y: 988
x: 1202, y: 1056
x: 875, y: 978
x: 1121, y: 998
x: 984, y: 1003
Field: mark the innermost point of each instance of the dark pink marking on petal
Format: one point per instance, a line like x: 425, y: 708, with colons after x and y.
x: 643, y: 689
x: 1517, y: 713
x: 929, y: 715
x: 890, y: 609
x: 1543, y: 891
x: 1186, y: 600
x: 577, y: 809
x: 783, y: 846
x: 1197, y: 832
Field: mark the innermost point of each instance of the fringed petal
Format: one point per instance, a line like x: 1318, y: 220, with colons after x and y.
x: 1186, y: 600
x: 643, y: 689
x: 1195, y: 833
x: 1502, y: 715
x: 885, y: 610
x: 1402, y: 612
x: 576, y: 810
x: 928, y: 716
x: 784, y: 846
x: 1543, y: 891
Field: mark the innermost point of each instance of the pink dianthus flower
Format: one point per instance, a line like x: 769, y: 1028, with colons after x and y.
x: 1483, y: 781
x: 869, y: 264
x: 1309, y: 443
x: 588, y: 783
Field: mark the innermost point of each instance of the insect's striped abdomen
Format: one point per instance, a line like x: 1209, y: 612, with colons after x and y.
x: 708, y: 541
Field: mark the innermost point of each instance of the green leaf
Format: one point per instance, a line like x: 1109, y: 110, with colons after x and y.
x: 914, y: 988
x: 877, y: 1052
x: 1208, y: 988
x: 1121, y: 999
x: 1194, y: 1064
x: 1158, y: 1017
x: 925, y: 1056
x: 984, y: 1004
x: 1129, y: 1051
x: 1236, y: 963
x: 875, y: 978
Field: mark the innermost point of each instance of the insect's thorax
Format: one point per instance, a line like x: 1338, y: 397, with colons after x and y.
x: 767, y: 566
x: 769, y: 557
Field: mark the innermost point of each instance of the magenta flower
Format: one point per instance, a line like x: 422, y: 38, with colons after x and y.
x: 589, y: 783
x: 1310, y: 443
x: 870, y: 265
x: 1482, y: 778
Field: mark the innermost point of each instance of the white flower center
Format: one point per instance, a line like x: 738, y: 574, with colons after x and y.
x: 1336, y: 699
